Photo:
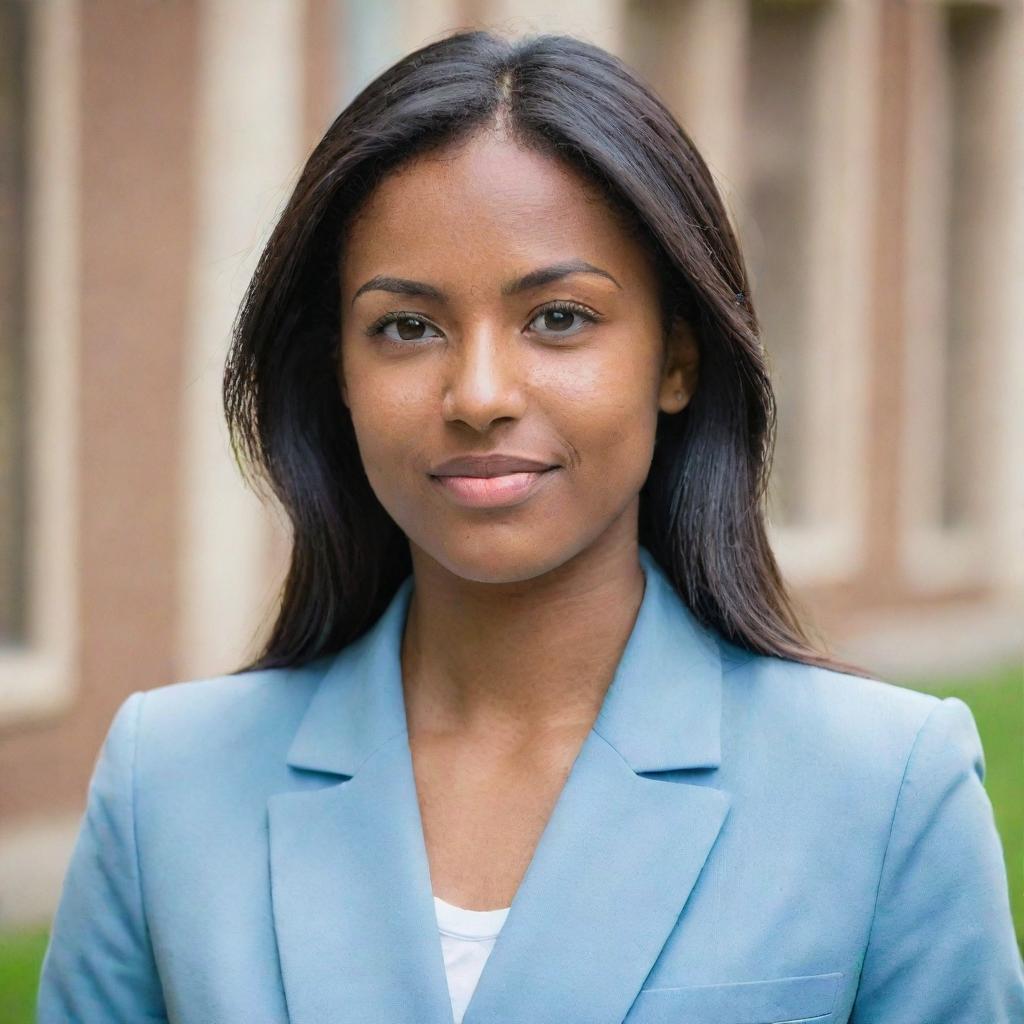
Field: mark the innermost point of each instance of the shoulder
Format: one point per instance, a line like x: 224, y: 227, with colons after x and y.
x: 199, y: 724
x: 824, y: 700
x: 258, y: 692
x: 181, y: 755
x: 833, y: 726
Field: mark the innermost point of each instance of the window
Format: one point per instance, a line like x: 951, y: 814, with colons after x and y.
x: 13, y: 240
x: 783, y: 200
x: 779, y: 96
x: 959, y: 337
x: 38, y: 346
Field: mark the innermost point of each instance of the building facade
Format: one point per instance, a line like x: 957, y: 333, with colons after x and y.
x: 871, y: 153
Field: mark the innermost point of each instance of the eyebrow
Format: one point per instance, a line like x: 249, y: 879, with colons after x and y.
x: 534, y: 279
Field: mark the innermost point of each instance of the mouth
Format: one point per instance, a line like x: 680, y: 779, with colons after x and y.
x: 493, y: 491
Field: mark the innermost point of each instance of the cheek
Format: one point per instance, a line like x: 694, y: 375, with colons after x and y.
x: 608, y: 410
x: 385, y: 422
x: 386, y: 411
x: 386, y: 437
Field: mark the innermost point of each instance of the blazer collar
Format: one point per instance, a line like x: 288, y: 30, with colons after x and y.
x: 661, y: 712
x: 351, y: 892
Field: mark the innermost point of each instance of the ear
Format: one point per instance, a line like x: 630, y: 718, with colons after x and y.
x: 680, y: 369
x: 339, y: 375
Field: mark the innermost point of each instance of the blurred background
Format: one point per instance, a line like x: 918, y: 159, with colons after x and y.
x: 871, y: 153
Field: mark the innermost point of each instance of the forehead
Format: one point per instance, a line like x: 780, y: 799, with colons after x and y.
x: 481, y: 208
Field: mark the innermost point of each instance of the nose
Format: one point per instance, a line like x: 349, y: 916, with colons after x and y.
x: 483, y: 378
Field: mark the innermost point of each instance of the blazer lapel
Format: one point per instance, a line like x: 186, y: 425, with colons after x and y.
x: 352, y: 898
x: 621, y: 851
x: 350, y: 883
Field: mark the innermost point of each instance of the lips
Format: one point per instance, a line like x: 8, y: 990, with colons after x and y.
x: 495, y: 480
x: 487, y: 466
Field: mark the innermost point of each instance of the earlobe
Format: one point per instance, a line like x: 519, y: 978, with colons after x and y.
x: 340, y: 378
x: 679, y: 379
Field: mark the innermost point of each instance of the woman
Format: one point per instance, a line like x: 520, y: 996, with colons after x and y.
x: 536, y: 689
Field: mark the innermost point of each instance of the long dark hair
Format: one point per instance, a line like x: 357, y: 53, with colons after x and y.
x: 701, y: 507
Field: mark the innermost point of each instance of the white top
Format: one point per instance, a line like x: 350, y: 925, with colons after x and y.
x: 467, y: 938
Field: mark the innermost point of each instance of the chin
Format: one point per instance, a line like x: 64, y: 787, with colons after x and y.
x: 490, y: 559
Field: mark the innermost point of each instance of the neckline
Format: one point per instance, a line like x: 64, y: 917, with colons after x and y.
x: 462, y: 923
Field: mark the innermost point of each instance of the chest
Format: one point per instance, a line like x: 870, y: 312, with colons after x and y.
x: 483, y: 814
x: 337, y: 867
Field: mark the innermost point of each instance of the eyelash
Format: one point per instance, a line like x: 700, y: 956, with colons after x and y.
x: 559, y: 305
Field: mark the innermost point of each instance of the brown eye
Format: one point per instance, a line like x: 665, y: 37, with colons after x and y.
x: 410, y: 328
x: 562, y: 319
x: 399, y: 327
x: 558, y: 319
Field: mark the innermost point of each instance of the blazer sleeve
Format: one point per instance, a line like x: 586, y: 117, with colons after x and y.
x: 942, y: 944
x: 99, y: 964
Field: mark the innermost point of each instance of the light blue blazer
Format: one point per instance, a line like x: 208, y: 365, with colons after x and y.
x: 742, y: 840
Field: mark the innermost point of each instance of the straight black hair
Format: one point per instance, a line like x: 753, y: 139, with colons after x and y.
x: 702, y: 505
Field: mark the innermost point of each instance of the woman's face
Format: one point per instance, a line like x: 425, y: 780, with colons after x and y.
x: 492, y: 304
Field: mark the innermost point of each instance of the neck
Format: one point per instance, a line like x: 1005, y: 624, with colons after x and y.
x: 513, y: 661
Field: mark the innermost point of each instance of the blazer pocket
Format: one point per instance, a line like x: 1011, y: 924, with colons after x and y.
x: 778, y: 1001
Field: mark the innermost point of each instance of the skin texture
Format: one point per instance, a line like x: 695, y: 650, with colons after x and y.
x: 520, y: 614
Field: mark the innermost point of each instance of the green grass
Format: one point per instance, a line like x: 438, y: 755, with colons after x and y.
x: 995, y: 698
x: 21, y: 956
x: 997, y: 702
